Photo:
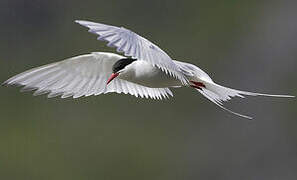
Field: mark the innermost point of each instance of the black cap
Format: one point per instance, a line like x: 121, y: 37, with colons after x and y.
x: 121, y: 64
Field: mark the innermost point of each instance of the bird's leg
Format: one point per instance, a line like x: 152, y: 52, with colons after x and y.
x: 197, y: 85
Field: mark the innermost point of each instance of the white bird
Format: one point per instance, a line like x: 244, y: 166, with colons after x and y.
x: 144, y: 71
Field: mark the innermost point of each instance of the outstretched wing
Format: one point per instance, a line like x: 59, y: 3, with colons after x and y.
x: 82, y: 75
x: 135, y: 46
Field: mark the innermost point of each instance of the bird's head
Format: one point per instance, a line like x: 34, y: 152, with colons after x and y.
x: 119, y: 67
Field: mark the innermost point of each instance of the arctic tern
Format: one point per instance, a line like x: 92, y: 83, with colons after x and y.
x: 144, y: 71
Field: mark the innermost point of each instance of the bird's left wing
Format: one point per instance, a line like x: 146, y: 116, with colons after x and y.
x: 135, y: 46
x: 82, y: 75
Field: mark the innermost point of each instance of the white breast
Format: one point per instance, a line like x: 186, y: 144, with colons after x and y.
x: 143, y: 73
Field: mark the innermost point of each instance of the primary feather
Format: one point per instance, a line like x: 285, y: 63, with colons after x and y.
x: 83, y: 75
x: 135, y: 46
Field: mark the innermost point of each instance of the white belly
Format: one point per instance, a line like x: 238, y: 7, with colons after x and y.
x: 143, y: 73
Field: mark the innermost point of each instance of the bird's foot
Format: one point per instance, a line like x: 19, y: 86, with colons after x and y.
x: 197, y: 85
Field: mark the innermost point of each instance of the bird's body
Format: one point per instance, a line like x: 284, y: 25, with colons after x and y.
x: 144, y: 71
x: 145, y: 74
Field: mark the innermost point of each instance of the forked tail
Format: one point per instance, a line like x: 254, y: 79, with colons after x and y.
x: 218, y: 94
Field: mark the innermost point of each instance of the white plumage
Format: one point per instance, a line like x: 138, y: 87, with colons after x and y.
x: 150, y: 75
x: 82, y: 75
x: 134, y: 46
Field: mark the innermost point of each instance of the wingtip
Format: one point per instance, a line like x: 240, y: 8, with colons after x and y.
x: 84, y: 22
x: 5, y: 83
x: 78, y: 21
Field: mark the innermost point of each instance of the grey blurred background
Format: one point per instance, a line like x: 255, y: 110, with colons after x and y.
x: 248, y: 45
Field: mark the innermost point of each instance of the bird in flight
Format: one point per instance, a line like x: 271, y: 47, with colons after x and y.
x: 145, y: 70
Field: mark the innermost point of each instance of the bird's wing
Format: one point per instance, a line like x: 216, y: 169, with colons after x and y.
x: 135, y: 46
x: 82, y: 75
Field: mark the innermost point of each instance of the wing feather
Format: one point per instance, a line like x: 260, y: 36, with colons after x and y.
x: 83, y: 75
x: 135, y: 46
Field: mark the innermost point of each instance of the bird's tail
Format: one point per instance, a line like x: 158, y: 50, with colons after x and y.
x: 218, y: 94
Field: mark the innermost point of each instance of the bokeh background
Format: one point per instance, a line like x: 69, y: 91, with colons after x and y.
x: 248, y: 45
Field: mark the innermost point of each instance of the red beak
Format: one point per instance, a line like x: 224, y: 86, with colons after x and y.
x: 113, y: 75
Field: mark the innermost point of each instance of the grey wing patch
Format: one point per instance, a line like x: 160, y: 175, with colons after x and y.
x: 135, y: 46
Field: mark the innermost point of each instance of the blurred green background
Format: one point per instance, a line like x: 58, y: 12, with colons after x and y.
x: 248, y: 45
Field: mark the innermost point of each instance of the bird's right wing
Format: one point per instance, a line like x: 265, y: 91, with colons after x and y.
x: 82, y: 75
x: 135, y: 46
